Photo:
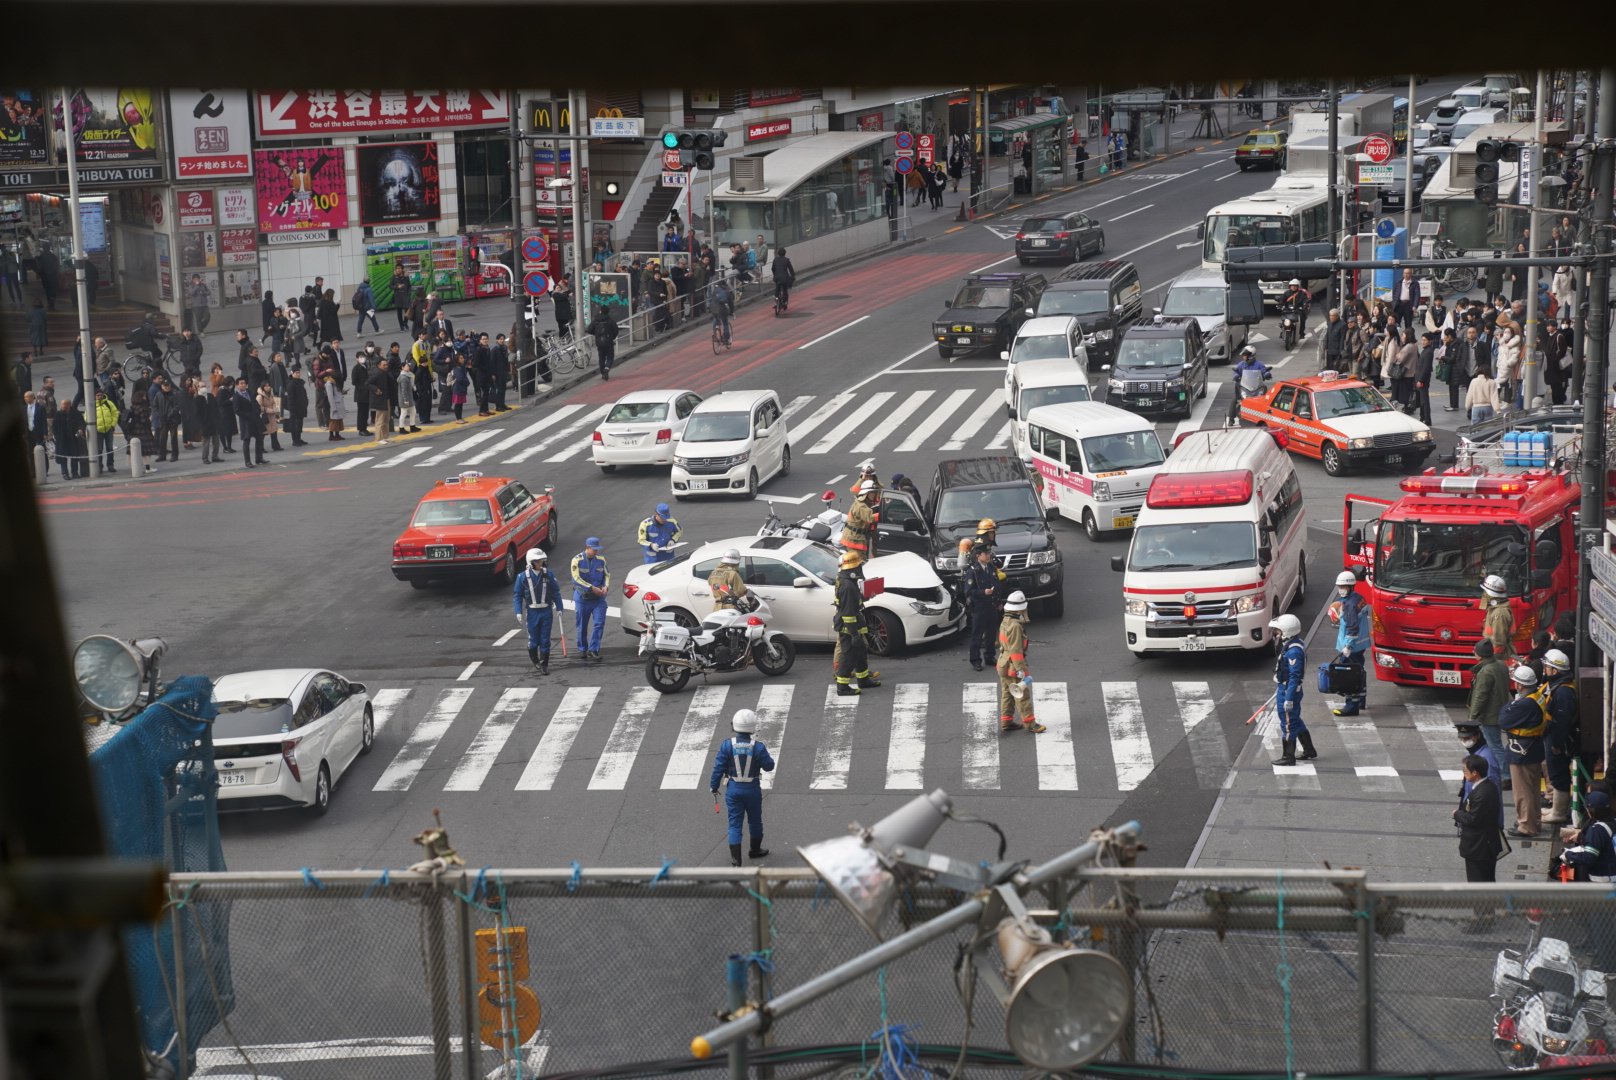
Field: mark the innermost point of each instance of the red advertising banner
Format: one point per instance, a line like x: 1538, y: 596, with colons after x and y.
x: 301, y: 189
x: 238, y: 247
x: 871, y: 121
x: 195, y: 209
x: 337, y: 112
x: 926, y: 148
x: 768, y: 129
x: 773, y: 97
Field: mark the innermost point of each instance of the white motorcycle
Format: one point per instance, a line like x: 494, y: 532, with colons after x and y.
x: 1552, y: 1011
x: 730, y: 639
x: 824, y: 527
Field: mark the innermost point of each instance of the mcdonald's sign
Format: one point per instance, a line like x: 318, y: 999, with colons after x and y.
x: 550, y: 117
x: 609, y: 112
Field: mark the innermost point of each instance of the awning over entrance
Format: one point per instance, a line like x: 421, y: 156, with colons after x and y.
x: 1021, y: 125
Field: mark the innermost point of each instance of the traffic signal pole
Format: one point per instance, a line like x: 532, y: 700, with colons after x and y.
x: 1332, y: 298
x: 1593, y: 379
x: 1529, y: 348
x: 524, y: 335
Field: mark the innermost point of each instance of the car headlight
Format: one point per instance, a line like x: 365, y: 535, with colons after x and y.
x: 1362, y: 444
x: 738, y: 459
x: 1043, y: 558
x: 921, y: 608
x: 1422, y: 436
x: 1386, y: 660
x: 1102, y: 491
x: 1177, y: 380
x: 1246, y: 604
x: 946, y: 562
x: 1103, y: 335
x: 680, y: 461
x: 1134, y: 607
x: 1114, y: 384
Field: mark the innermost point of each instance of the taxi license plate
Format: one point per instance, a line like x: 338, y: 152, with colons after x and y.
x: 440, y: 551
x: 1394, y: 459
x: 698, y: 485
x: 962, y: 341
x: 1192, y: 644
x: 1122, y: 523
x: 226, y: 779
x: 1447, y: 678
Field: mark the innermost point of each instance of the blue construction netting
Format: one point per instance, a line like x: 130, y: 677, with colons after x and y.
x: 158, y: 794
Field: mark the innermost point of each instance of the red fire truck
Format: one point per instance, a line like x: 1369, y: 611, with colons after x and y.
x: 1421, y: 559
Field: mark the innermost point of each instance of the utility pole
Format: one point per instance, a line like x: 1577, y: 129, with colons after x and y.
x: 1602, y: 176
x: 1331, y: 297
x: 1529, y: 347
x: 86, y: 354
x: 1408, y: 166
x: 518, y: 301
x: 576, y: 170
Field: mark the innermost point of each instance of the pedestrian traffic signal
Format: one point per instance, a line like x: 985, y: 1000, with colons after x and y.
x: 695, y: 146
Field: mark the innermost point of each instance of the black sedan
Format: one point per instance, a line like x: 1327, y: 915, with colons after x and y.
x: 1065, y: 237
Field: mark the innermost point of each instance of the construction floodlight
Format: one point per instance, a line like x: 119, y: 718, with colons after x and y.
x: 110, y: 672
x: 863, y: 869
x: 1066, y: 1007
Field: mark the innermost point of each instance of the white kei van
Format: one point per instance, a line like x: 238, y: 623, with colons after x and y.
x: 1036, y: 383
x: 1096, y: 461
x: 1046, y: 337
x: 1219, y: 548
x: 733, y: 443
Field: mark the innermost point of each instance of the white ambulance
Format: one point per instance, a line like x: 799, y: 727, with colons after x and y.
x: 1038, y: 383
x: 1219, y: 548
x: 1096, y: 460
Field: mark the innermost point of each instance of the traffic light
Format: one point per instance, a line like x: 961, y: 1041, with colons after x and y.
x: 695, y: 146
x: 1491, y: 150
x: 1486, y: 180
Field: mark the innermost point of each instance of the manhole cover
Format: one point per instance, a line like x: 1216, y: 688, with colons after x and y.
x: 835, y: 296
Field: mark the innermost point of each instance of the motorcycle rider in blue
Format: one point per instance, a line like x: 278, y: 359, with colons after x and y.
x: 1249, y: 373
x: 658, y: 534
x: 742, y: 759
x: 590, y: 582
x: 537, y: 598
x: 1351, y: 637
x: 1288, y: 672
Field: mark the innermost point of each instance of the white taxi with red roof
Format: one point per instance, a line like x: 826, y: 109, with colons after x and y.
x: 1341, y: 421
x: 474, y: 526
x: 1218, y: 548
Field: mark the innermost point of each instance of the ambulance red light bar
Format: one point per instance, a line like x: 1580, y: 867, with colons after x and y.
x: 1465, y: 485
x: 1230, y: 488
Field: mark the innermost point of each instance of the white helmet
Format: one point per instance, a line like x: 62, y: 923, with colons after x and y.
x: 1289, y: 626
x: 1524, y: 677
x: 866, y: 487
x: 1016, y: 601
x: 1346, y: 578
x: 1296, y: 282
x: 745, y: 722
x: 1493, y: 585
x: 537, y: 555
x: 732, y: 556
x: 868, y: 468
x: 1557, y: 660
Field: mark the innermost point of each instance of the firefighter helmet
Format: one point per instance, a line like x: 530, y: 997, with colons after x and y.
x: 1494, y: 586
x: 1016, y: 601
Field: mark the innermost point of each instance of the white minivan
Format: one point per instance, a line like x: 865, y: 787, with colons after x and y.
x: 1218, y: 549
x: 733, y: 443
x: 1096, y: 461
x: 1042, y: 382
x: 1046, y: 337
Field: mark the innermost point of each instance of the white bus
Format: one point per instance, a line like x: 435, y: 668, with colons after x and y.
x: 1296, y: 210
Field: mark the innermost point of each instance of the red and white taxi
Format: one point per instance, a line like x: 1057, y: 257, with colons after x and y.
x: 1341, y: 421
x: 475, y: 526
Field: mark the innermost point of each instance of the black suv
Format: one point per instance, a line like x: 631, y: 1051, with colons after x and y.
x: 986, y: 312
x: 1161, y: 366
x: 1104, y: 297
x: 966, y: 490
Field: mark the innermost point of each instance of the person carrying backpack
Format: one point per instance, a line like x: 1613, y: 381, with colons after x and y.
x: 785, y: 275
x: 364, y: 302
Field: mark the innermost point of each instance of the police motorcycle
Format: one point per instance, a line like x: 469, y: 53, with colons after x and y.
x: 1551, y: 1009
x: 1250, y: 383
x: 1289, y: 325
x: 823, y: 527
x: 730, y: 639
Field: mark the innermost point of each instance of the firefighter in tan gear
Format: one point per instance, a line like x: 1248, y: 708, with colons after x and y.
x: 1498, y: 624
x: 866, y: 472
x: 725, y: 581
x: 859, y: 530
x: 1015, y: 681
x: 987, y: 534
x: 852, y: 657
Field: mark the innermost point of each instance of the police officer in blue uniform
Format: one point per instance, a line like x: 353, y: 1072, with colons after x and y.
x: 982, y: 587
x: 1288, y: 672
x: 743, y: 760
x: 1351, y: 638
x: 658, y: 534
x: 1595, y: 849
x: 590, y: 582
x: 537, y: 598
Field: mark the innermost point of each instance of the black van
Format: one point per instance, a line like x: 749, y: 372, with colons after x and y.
x: 1105, y: 298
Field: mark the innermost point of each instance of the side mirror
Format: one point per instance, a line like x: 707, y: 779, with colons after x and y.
x: 948, y: 303
x: 1546, y: 554
x: 1105, y: 367
x: 1116, y: 563
x: 356, y: 688
x: 1052, y: 513
x: 1117, y: 311
x: 1003, y: 355
x: 1029, y: 311
x: 1542, y: 579
x: 914, y: 525
x: 802, y: 583
x: 1200, y: 231
x: 1265, y: 554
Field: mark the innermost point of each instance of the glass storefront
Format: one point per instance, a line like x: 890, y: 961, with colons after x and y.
x: 842, y: 194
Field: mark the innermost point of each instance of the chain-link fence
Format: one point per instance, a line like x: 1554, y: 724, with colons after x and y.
x: 357, y: 975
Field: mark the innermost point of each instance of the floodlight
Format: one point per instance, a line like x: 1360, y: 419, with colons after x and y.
x: 1066, y: 1007
x: 110, y: 672
x: 861, y: 869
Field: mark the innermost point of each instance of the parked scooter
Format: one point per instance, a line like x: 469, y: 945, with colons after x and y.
x: 730, y: 639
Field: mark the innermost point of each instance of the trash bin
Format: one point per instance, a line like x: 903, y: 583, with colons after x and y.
x: 1023, y: 185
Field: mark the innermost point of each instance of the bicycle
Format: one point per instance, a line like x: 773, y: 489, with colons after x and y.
x: 1455, y: 278
x: 719, y: 344
x: 137, y: 362
x: 780, y: 300
x: 561, y: 357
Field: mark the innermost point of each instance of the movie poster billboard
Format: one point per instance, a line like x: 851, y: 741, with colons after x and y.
x: 398, y: 182
x: 22, y: 128
x: 301, y: 189
x: 109, y: 125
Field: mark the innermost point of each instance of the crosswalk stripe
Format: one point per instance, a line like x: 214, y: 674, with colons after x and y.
x: 491, y: 738
x: 522, y: 435
x: 1370, y: 759
x: 691, y: 757
x: 981, y: 747
x: 928, y: 427
x: 412, y: 756
x: 475, y: 439
x: 1057, y: 758
x: 402, y: 456
x: 834, y: 754
x: 551, y: 753
x: 623, y: 744
x: 892, y: 421
x: 1002, y: 439
x: 559, y: 436
x: 1130, y: 745
x: 993, y: 403
x: 836, y: 434
x: 351, y: 463
x: 773, y: 709
x: 1299, y: 777
x: 1436, y: 729
x: 1208, y: 749
x: 577, y: 446
x: 384, y: 705
x: 800, y: 432
x: 797, y: 404
x: 906, y: 750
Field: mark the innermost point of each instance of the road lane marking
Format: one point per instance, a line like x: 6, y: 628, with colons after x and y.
x: 1299, y: 777
x: 384, y: 705
x: 934, y: 420
x: 506, y: 636
x: 1131, y: 213
x: 1188, y: 244
x: 955, y: 370
x: 1225, y: 176
x: 1209, y: 165
x: 1436, y: 728
x: 892, y: 421
x: 623, y: 744
x: 889, y: 368
x: 412, y: 756
x: 773, y: 709
x: 1057, y: 757
x: 523, y: 435
x: 991, y: 265
x: 1198, y: 411
x: 834, y: 755
x: 1208, y: 749
x: 402, y: 456
x: 691, y: 757
x: 797, y: 405
x: 351, y: 463
x: 1159, y: 239
x: 490, y: 739
x: 470, y: 670
x: 963, y: 433
x: 1130, y: 744
x: 464, y: 444
x: 832, y: 334
x: 1002, y: 439
x: 836, y: 434
x: 980, y: 750
x: 551, y: 753
x: 906, y: 750
x: 799, y: 432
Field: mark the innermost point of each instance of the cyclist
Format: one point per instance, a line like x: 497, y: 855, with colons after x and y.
x: 723, y: 305
x: 146, y: 338
x: 785, y: 275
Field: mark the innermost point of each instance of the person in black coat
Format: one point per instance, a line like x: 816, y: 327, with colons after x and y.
x: 1423, y: 373
x: 249, y: 423
x: 266, y: 309
x: 206, y: 416
x: 1480, y: 837
x: 499, y: 373
x: 482, y: 361
x: 361, y: 392
x: 329, y: 315
x: 296, y: 404
x: 309, y: 304
x: 224, y: 410
x: 72, y: 448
